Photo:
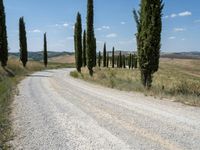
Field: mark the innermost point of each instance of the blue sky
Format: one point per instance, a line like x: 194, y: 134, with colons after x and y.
x: 114, y: 23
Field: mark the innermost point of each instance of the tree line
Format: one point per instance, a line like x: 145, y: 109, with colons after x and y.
x: 149, y: 26
x: 23, y: 48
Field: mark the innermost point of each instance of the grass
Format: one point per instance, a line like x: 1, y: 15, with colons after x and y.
x: 7, y: 87
x: 176, y: 79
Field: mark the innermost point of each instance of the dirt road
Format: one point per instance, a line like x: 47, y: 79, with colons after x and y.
x: 56, y: 111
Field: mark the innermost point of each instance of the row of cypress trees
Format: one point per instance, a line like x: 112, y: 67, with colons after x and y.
x: 120, y: 61
x: 22, y: 40
x: 85, y: 46
x: 149, y: 27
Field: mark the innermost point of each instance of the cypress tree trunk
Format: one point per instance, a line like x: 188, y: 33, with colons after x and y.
x: 84, y: 49
x: 23, y: 42
x: 3, y: 36
x: 113, y: 57
x: 45, y: 51
x: 99, y: 60
x: 149, y: 26
x: 91, y: 48
x: 104, y: 55
x: 78, y: 42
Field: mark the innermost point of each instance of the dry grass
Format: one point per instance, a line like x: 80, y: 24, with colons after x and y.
x: 177, y: 79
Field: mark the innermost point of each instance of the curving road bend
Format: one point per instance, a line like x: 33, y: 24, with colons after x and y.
x: 55, y: 111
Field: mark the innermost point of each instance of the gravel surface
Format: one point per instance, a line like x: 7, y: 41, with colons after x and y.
x: 55, y: 111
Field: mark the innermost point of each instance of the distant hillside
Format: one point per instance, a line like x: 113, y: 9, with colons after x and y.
x: 39, y: 55
x: 61, y: 56
x: 182, y: 55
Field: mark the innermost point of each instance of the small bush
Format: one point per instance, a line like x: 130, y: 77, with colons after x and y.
x: 74, y: 74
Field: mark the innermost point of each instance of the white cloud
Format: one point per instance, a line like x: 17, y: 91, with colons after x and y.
x: 123, y: 23
x: 185, y: 13
x: 105, y: 27
x: 112, y: 35
x: 99, y: 42
x: 172, y: 37
x: 35, y: 31
x: 183, y: 39
x: 65, y: 25
x: 166, y: 17
x: 99, y: 29
x: 173, y: 15
x: 181, y: 14
x: 179, y: 29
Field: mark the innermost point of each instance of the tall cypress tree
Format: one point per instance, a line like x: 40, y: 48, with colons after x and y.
x: 84, y: 49
x: 45, y: 51
x: 113, y: 57
x: 107, y: 60
x: 23, y: 42
x: 129, y: 61
x: 91, y: 44
x: 95, y: 55
x: 99, y: 59
x: 3, y: 36
x: 120, y: 59
x: 78, y: 42
x: 149, y: 25
x: 104, y: 55
x: 124, y: 61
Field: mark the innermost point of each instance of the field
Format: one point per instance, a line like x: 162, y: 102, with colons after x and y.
x: 7, y: 87
x: 177, y: 79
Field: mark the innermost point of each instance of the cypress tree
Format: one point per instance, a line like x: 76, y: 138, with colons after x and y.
x: 129, y: 61
x: 135, y: 63
x: 95, y: 55
x: 84, y: 49
x: 104, y: 55
x: 45, y: 51
x: 149, y: 26
x: 91, y: 50
x: 113, y: 57
x: 132, y: 61
x: 3, y: 36
x: 107, y: 60
x: 78, y: 42
x: 120, y: 59
x: 124, y: 61
x: 23, y: 42
x: 99, y: 59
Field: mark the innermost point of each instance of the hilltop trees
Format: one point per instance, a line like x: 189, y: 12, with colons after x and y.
x: 104, y: 55
x: 91, y: 41
x: 113, y: 57
x: 84, y: 49
x: 23, y: 42
x: 149, y: 26
x: 3, y: 36
x: 78, y: 42
x: 45, y: 51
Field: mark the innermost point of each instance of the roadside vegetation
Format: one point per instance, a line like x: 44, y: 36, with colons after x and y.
x: 177, y: 79
x: 8, y: 88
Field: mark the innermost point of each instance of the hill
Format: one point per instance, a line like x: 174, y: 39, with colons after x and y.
x: 38, y: 56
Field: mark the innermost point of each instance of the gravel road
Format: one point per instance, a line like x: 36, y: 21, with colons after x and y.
x: 55, y: 111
